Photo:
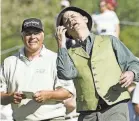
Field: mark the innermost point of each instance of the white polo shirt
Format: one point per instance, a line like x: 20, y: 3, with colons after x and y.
x: 20, y: 74
x: 135, y: 98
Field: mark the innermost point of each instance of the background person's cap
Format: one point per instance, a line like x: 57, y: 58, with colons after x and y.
x: 32, y: 23
x: 65, y: 3
x: 82, y: 12
x: 112, y: 2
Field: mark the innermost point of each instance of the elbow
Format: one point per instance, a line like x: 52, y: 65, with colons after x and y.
x: 70, y: 104
x: 65, y: 75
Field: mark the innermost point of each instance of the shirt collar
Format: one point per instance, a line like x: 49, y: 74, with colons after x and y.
x: 22, y: 53
x: 90, y: 38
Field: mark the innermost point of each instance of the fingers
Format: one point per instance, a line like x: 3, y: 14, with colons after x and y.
x: 126, y: 83
x: 37, y: 97
x: 60, y: 31
x: 60, y: 36
x: 126, y: 78
x: 17, y: 97
x: 123, y: 75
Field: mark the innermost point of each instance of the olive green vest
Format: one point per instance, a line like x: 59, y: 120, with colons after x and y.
x: 98, y: 75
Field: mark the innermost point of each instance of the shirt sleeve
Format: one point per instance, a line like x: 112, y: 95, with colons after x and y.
x: 135, y: 98
x: 3, y: 85
x: 65, y: 67
x: 116, y: 20
x: 125, y: 58
x: 68, y: 85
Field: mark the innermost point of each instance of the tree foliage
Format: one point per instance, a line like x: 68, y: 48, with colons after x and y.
x: 13, y: 12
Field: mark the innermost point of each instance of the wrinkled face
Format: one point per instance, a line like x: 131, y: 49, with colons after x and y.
x: 74, y: 22
x: 33, y: 39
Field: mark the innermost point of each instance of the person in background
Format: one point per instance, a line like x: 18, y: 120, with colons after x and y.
x: 64, y: 4
x: 107, y: 22
x: 111, y: 4
x: 102, y: 67
x: 29, y: 79
x: 135, y: 101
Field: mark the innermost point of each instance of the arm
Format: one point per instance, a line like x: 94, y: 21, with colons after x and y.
x: 7, y: 98
x: 60, y: 91
x: 70, y: 104
x: 117, y: 24
x: 45, y: 95
x: 65, y: 66
x: 117, y: 30
x: 127, y: 61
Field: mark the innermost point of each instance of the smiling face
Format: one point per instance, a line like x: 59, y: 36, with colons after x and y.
x: 33, y: 40
x: 74, y: 23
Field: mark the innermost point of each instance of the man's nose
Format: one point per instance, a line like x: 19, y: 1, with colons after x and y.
x: 70, y: 21
x: 32, y: 35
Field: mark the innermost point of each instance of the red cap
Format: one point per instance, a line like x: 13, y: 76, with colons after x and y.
x: 112, y: 2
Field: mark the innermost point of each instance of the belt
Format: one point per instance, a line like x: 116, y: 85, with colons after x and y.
x: 102, y: 107
x: 105, y: 106
x: 55, y: 119
x: 71, y: 117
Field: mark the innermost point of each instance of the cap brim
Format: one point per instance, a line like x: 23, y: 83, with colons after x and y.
x: 82, y: 12
x: 32, y: 28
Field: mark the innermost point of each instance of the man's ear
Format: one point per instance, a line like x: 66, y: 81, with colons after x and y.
x: 85, y: 19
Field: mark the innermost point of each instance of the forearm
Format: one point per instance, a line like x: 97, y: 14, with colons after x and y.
x: 6, y: 98
x: 65, y: 66
x: 59, y: 94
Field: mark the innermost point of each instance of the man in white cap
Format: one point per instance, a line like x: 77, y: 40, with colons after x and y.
x: 29, y: 79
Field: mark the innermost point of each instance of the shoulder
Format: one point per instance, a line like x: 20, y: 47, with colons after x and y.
x: 10, y: 62
x: 49, y: 55
x: 11, y: 59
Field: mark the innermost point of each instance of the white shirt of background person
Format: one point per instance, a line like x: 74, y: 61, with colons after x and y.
x: 6, y: 112
x: 106, y: 22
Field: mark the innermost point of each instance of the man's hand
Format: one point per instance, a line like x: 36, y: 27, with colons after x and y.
x: 126, y: 78
x: 17, y: 97
x: 60, y: 36
x: 42, y: 96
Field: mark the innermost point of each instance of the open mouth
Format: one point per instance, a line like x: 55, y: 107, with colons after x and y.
x: 74, y: 26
